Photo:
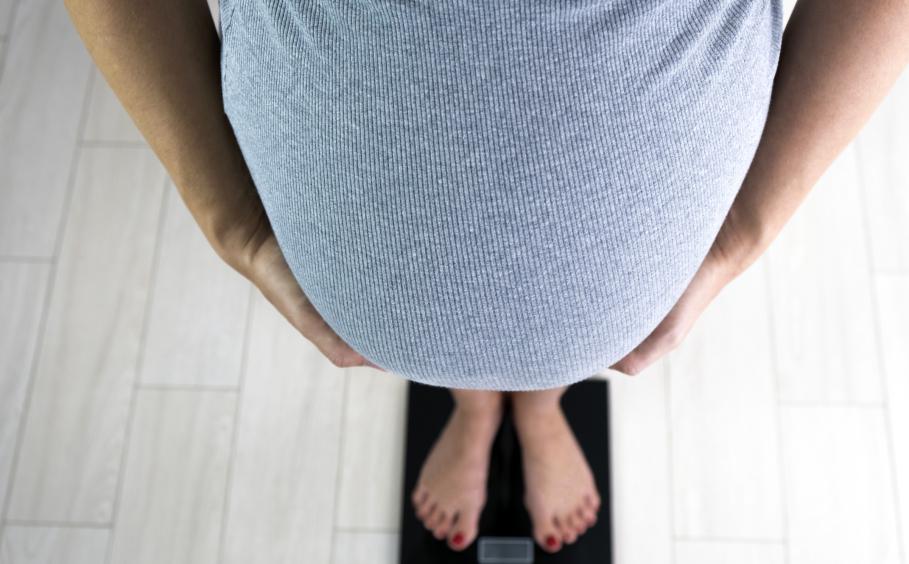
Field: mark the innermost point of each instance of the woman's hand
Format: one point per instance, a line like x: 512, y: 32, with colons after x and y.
x: 258, y: 257
x: 814, y: 114
x: 730, y: 254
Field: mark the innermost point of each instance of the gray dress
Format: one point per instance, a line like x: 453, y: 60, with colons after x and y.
x: 497, y: 194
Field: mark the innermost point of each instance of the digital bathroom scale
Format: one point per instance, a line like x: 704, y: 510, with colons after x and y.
x: 505, y: 531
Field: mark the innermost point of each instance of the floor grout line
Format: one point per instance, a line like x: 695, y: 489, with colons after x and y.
x: 340, y: 459
x: 831, y: 404
x: 889, y: 272
x: 778, y: 408
x: 667, y: 378
x: 137, y: 375
x: 730, y: 540
x: 373, y: 530
x: 27, y: 259
x: 48, y: 294
x: 234, y: 440
x: 7, y: 37
x: 185, y: 388
x: 37, y: 523
x: 113, y: 144
x: 878, y: 344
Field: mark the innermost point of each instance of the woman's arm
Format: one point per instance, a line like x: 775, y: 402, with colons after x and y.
x: 838, y: 59
x: 161, y: 59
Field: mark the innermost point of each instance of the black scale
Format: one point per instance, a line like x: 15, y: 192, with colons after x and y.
x: 505, y: 531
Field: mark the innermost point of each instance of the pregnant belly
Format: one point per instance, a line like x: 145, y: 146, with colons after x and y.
x: 515, y: 210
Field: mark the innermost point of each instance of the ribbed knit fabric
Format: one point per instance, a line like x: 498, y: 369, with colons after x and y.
x: 497, y: 194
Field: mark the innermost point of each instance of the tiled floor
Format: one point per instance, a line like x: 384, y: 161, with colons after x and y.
x: 155, y: 408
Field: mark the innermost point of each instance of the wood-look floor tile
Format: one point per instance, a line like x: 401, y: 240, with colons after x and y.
x: 883, y: 144
x: 374, y: 429
x: 22, y: 288
x: 839, y: 495
x: 362, y: 547
x: 198, y: 309
x: 821, y: 295
x: 74, y: 432
x: 175, y: 478
x: 6, y: 11
x: 53, y: 545
x: 788, y: 6
x: 281, y: 505
x: 695, y: 552
x: 107, y: 120
x: 893, y: 311
x: 214, y: 6
x: 641, y: 482
x: 43, y: 86
x: 724, y: 419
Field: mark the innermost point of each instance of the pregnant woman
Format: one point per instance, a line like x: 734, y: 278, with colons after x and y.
x: 499, y: 197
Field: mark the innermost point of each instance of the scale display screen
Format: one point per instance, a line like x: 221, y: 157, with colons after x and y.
x: 505, y: 550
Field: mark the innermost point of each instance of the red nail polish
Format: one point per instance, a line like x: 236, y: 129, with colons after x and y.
x: 457, y: 539
x: 551, y: 541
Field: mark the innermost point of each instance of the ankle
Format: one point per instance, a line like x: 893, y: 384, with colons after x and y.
x: 542, y: 403
x: 536, y: 420
x: 478, y: 403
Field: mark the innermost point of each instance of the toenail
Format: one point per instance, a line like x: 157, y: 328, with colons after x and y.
x: 457, y: 539
x: 551, y: 541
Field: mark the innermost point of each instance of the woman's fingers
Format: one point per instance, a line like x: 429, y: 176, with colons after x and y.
x: 271, y: 274
x: 667, y: 335
x: 707, y: 282
x: 330, y: 344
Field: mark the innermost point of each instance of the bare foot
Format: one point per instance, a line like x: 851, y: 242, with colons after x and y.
x: 560, y: 490
x: 451, y: 489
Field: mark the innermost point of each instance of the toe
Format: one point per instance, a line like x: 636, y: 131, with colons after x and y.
x: 547, y: 534
x: 573, y: 524
x: 440, y: 524
x: 419, y: 496
x: 592, y: 501
x: 588, y: 517
x: 566, y: 529
x: 581, y: 520
x: 426, y: 511
x: 464, y: 528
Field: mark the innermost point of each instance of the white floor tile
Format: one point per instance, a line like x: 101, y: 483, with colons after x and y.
x: 726, y: 466
x: 198, y: 309
x: 107, y: 120
x: 281, y: 506
x: 22, y: 289
x: 893, y: 311
x: 175, y: 478
x: 641, y: 483
x: 74, y: 433
x: 883, y: 144
x: 821, y: 295
x: 840, y: 498
x: 6, y: 11
x: 374, y: 428
x: 53, y: 545
x: 43, y: 85
x: 365, y: 548
x: 695, y: 552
